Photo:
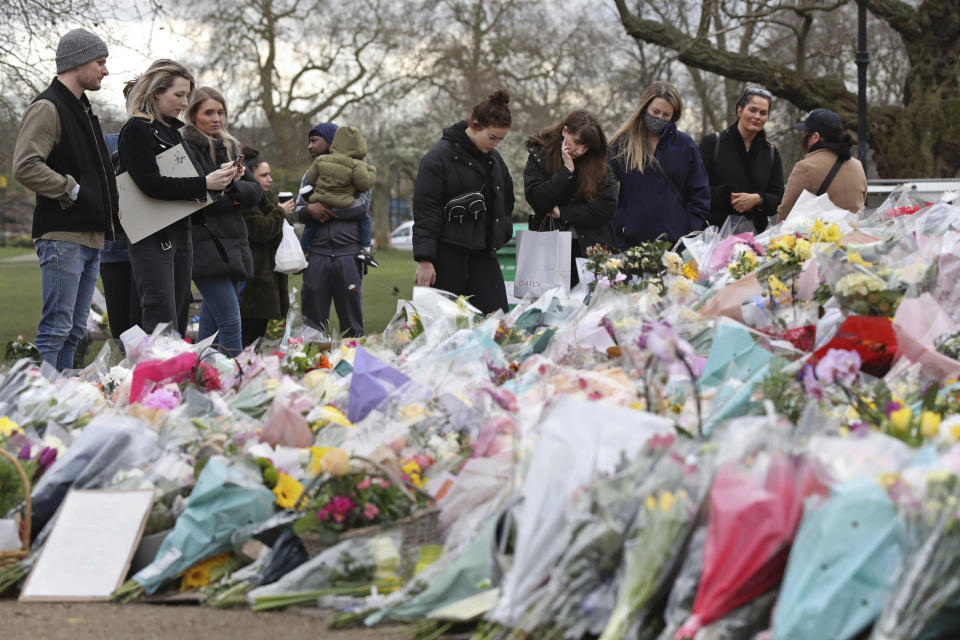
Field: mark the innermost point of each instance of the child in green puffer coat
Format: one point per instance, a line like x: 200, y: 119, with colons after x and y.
x: 339, y: 175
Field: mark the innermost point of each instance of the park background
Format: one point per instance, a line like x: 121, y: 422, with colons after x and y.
x: 400, y: 70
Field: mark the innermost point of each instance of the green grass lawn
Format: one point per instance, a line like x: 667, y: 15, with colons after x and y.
x: 21, y: 302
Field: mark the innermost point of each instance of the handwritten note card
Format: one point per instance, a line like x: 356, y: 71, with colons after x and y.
x: 87, y: 553
x: 142, y: 215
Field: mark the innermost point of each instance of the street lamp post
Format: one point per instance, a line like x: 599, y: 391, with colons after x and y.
x: 863, y: 59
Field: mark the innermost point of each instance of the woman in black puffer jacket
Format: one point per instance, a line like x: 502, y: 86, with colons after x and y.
x: 568, y: 183
x: 462, y: 208
x: 221, y: 251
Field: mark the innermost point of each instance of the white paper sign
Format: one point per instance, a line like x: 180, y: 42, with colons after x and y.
x: 88, y: 551
x: 142, y: 215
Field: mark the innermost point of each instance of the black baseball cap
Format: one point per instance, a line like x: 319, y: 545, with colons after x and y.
x: 822, y: 121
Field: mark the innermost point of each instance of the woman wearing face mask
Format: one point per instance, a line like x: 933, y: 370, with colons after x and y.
x: 265, y: 296
x: 462, y: 207
x: 221, y: 256
x: 162, y: 262
x: 663, y: 185
x: 746, y: 177
x: 568, y: 184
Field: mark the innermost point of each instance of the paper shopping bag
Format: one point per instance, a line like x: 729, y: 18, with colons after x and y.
x: 289, y: 257
x: 543, y: 262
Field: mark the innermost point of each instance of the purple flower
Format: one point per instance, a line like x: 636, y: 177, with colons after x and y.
x: 24, y: 452
x: 660, y: 339
x: 811, y: 384
x: 892, y: 406
x: 839, y: 365
x: 620, y: 277
x: 46, y: 459
x: 603, y: 282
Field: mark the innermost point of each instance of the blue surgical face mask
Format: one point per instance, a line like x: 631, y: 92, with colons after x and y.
x: 655, y: 124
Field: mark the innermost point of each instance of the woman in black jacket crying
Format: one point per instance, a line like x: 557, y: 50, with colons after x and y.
x: 568, y: 184
x: 462, y: 207
x: 744, y: 168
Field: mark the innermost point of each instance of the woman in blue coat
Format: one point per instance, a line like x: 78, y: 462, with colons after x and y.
x: 663, y: 184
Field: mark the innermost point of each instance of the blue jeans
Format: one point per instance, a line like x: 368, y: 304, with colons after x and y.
x: 220, y: 310
x: 68, y: 275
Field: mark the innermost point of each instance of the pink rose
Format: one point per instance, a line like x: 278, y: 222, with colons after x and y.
x: 370, y: 511
x: 364, y: 484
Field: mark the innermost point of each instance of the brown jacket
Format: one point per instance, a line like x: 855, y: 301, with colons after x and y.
x: 848, y: 189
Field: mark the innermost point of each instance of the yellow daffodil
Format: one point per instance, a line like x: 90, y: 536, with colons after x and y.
x: 651, y: 504
x: 667, y: 501
x: 929, y: 423
x: 8, y: 427
x: 287, y: 491
x: 900, y: 419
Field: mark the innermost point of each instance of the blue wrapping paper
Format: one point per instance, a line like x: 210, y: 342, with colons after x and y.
x: 841, y: 565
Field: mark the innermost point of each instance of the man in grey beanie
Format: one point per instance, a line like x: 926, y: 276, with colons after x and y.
x: 61, y: 156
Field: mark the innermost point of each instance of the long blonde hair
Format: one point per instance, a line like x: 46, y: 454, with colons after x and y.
x: 201, y: 95
x: 630, y: 140
x: 141, y: 92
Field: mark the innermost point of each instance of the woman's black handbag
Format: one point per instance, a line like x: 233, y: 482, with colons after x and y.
x: 464, y: 221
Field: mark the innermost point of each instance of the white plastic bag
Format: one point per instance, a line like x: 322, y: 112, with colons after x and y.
x: 289, y: 258
x: 543, y: 262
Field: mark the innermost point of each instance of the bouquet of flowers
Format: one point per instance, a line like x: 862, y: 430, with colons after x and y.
x: 927, y: 581
x: 350, y: 499
x: 741, y: 563
x: 637, y: 267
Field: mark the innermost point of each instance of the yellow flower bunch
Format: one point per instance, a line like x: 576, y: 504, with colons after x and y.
x: 855, y: 258
x: 413, y: 471
x: 778, y: 290
x: 690, y: 271
x: 746, y: 263
x: 673, y: 262
x: 287, y: 490
x: 8, y: 427
x: 823, y: 233
x: 790, y: 249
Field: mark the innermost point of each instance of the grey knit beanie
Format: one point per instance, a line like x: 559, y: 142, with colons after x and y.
x: 79, y: 47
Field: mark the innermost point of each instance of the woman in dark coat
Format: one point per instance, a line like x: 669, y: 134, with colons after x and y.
x: 162, y: 262
x: 265, y: 296
x: 462, y: 207
x: 663, y: 185
x: 221, y: 256
x: 568, y: 184
x: 746, y: 176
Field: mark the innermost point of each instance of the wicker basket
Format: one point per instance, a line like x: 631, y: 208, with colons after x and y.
x: 10, y: 557
x: 418, y: 529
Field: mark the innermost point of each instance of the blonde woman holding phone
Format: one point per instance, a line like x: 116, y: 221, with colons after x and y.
x: 162, y: 262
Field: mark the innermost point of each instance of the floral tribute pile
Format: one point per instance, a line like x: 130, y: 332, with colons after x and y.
x: 746, y: 435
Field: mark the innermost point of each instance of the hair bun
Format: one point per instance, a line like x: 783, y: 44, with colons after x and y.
x: 500, y: 96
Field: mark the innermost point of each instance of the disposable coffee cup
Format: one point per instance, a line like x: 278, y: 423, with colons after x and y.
x: 284, y: 196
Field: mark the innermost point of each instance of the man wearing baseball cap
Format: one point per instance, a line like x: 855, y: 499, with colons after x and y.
x: 60, y: 155
x: 827, y: 166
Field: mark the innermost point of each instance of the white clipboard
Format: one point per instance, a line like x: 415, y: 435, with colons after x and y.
x: 141, y: 215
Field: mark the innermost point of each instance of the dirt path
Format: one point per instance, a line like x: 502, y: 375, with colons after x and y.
x: 103, y: 621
